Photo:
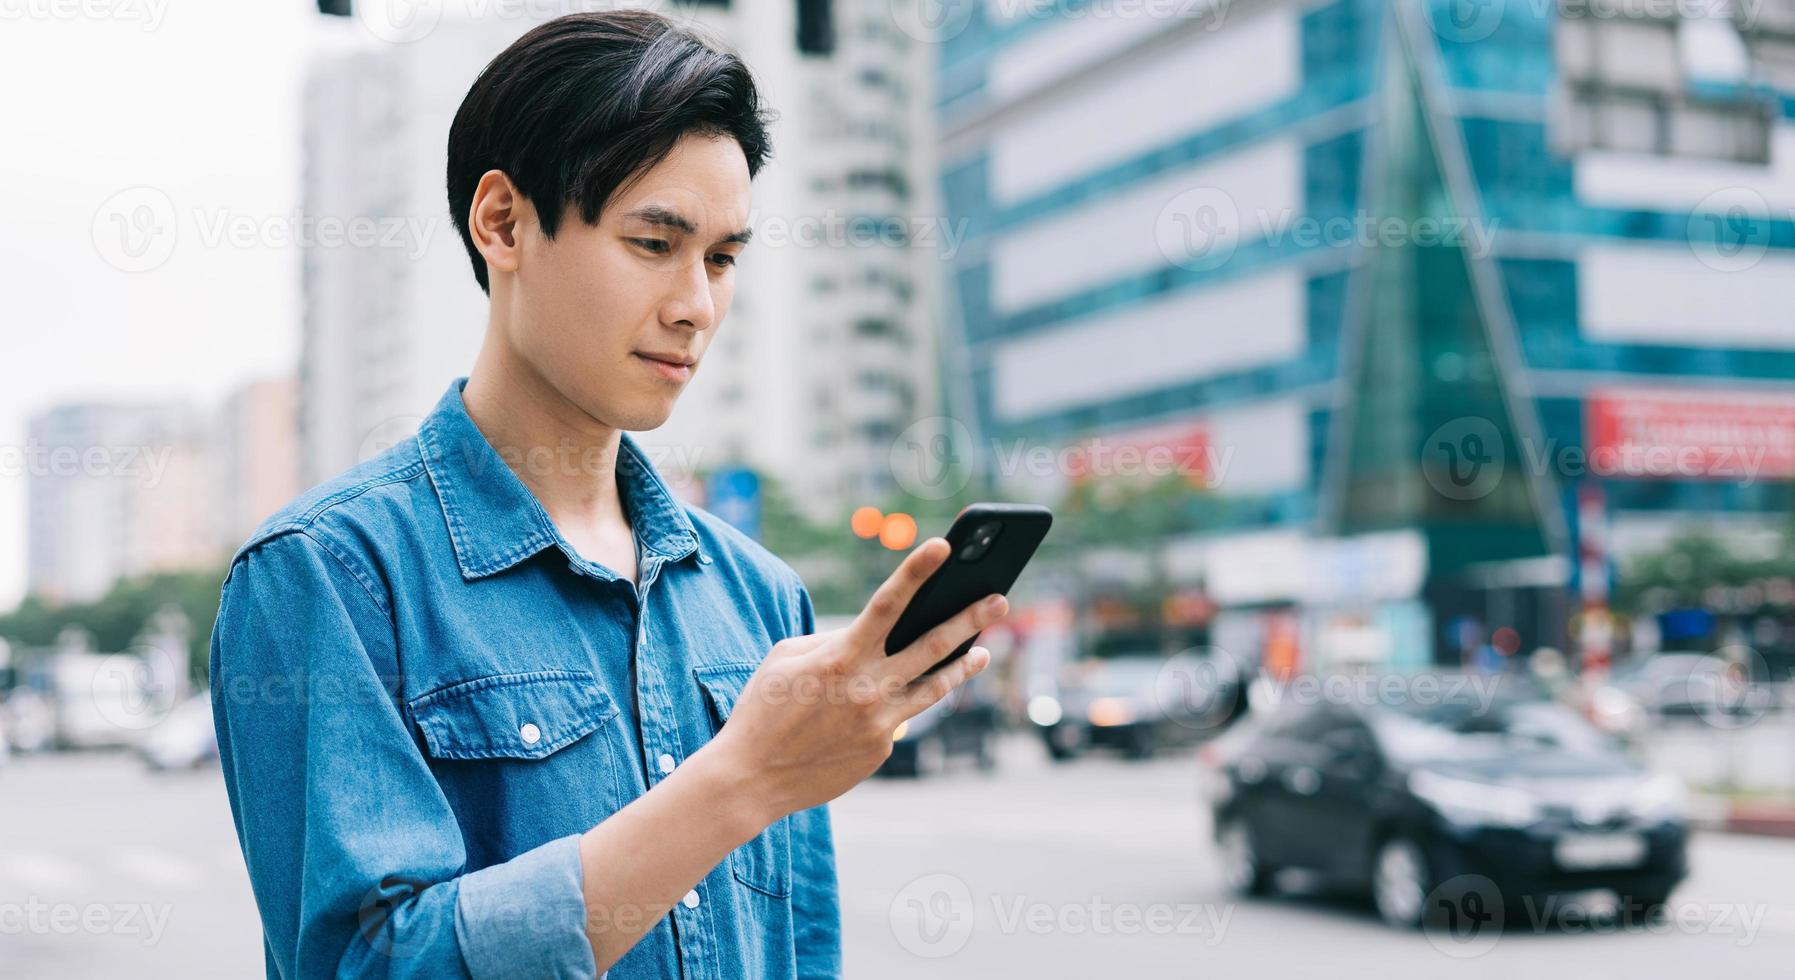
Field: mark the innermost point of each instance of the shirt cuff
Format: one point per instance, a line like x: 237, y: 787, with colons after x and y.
x: 526, y: 917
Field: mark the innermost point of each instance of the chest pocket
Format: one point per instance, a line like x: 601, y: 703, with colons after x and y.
x: 522, y: 716
x: 764, y: 863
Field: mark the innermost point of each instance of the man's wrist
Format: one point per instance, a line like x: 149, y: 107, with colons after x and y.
x: 729, y: 781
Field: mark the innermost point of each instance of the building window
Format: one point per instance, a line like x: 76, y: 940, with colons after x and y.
x: 1770, y: 42
x: 889, y: 179
x: 816, y: 27
x: 1621, y: 86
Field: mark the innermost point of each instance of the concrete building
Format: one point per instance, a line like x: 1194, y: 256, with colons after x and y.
x: 258, y: 455
x: 115, y: 491
x: 119, y: 490
x: 1423, y: 301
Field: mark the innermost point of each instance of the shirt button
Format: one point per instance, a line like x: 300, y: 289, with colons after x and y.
x: 665, y: 762
x: 530, y: 733
x: 691, y: 899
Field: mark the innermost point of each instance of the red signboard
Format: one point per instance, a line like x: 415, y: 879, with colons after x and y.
x: 1693, y: 435
x: 1142, y: 454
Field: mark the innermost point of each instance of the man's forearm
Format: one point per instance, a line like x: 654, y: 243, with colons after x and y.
x: 645, y: 857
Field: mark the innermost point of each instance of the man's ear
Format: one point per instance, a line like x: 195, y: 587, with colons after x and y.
x: 495, y: 219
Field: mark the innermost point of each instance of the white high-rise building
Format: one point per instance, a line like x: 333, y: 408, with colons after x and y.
x: 384, y: 325
x: 825, y: 356
x: 116, y: 491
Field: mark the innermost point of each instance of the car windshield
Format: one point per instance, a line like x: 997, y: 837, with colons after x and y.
x: 1122, y: 675
x: 1411, y: 733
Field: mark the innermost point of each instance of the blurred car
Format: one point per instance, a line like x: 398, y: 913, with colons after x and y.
x: 183, y: 739
x: 101, y: 700
x: 1689, y: 685
x: 963, y: 725
x: 1411, y: 804
x: 1138, y: 704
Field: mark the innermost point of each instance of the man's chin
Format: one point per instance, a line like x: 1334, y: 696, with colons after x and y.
x: 647, y: 413
x: 636, y: 412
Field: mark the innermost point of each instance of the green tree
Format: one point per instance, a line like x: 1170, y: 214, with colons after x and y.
x: 116, y: 618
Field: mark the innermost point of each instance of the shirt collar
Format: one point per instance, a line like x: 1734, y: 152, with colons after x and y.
x: 495, y: 521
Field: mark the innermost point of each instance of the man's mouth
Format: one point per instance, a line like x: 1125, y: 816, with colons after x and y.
x: 673, y: 367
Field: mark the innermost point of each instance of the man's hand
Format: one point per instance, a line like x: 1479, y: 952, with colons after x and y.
x: 817, y: 717
x: 813, y: 721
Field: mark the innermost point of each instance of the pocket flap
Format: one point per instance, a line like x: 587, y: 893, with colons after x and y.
x: 512, y: 716
x: 722, y: 684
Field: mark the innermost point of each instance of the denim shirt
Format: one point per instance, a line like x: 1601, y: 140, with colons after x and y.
x: 424, y: 696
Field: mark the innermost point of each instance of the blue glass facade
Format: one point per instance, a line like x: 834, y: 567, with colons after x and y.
x: 1497, y: 95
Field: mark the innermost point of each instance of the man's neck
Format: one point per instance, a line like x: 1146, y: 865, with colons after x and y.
x: 566, y: 458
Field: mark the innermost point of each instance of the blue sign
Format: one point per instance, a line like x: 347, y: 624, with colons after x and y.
x: 734, y: 495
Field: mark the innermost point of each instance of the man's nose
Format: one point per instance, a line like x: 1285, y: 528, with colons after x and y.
x: 689, y: 301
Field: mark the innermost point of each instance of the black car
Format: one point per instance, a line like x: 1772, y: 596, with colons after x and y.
x: 1418, y: 805
x: 962, y: 725
x: 1137, y: 704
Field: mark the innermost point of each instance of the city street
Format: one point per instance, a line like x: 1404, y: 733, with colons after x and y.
x: 1098, y: 868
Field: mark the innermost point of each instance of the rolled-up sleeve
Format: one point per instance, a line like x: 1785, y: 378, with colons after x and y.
x: 355, y: 858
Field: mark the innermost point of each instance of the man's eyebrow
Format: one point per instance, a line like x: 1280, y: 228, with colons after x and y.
x: 656, y: 214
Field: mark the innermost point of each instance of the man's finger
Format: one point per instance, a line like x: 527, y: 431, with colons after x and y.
x: 869, y: 628
x: 929, y: 649
x: 938, y: 685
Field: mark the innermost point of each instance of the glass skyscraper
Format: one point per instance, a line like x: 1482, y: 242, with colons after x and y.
x: 1449, y: 302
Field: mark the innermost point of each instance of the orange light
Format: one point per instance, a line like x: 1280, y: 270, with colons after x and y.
x: 1108, y: 712
x: 898, y: 531
x: 866, y: 522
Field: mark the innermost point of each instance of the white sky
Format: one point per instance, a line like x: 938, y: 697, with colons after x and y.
x: 196, y: 98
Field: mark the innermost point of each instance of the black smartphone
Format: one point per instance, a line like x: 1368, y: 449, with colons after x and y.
x: 990, y: 544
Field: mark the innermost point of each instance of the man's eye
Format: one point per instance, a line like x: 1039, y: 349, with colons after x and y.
x: 654, y: 245
x: 723, y: 258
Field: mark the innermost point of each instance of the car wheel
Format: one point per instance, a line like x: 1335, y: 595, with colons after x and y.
x: 1242, y: 870
x: 1142, y: 744
x: 1645, y: 908
x: 931, y: 757
x: 1399, y: 882
x: 987, y: 752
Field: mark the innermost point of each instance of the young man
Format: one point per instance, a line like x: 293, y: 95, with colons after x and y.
x: 495, y: 704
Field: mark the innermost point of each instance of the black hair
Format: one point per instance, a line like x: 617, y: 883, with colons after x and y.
x: 583, y: 103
